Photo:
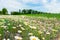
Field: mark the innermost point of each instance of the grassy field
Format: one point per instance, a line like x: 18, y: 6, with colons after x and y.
x: 29, y: 27
x: 45, y: 15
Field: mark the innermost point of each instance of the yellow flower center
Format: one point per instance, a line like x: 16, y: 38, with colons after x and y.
x: 34, y: 39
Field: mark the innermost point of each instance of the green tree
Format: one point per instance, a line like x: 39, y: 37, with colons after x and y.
x: 24, y: 11
x: 30, y: 11
x: 15, y: 13
x: 4, y: 11
x: 0, y: 12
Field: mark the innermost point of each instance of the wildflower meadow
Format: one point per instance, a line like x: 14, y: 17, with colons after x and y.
x: 28, y: 28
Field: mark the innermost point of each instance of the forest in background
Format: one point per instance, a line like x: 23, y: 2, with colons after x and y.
x: 4, y: 11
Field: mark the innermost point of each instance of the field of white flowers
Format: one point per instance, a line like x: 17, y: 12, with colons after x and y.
x: 28, y: 28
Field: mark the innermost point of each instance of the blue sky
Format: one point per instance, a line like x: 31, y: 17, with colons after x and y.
x: 40, y: 5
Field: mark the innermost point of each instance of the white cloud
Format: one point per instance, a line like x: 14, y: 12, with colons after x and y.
x: 10, y: 4
x: 52, y: 6
x: 32, y: 1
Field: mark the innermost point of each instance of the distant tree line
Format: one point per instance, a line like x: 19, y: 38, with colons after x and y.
x: 24, y: 11
x: 20, y: 12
